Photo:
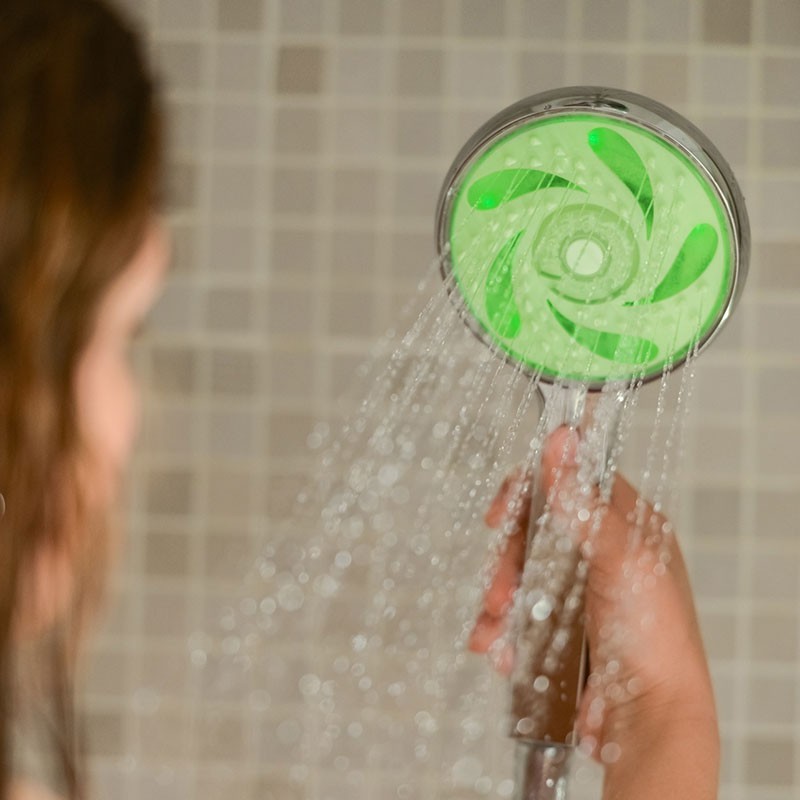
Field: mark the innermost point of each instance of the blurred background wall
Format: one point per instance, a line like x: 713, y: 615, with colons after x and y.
x: 307, y: 143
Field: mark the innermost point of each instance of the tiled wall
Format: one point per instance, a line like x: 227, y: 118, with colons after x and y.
x: 308, y: 140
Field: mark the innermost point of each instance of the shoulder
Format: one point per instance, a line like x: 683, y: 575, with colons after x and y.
x: 28, y: 790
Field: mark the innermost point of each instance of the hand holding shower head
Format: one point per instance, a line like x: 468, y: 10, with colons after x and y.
x: 592, y: 238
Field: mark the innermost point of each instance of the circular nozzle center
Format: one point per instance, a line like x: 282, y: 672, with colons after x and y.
x: 584, y: 257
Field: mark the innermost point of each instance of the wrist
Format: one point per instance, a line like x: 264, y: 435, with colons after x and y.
x: 664, y: 755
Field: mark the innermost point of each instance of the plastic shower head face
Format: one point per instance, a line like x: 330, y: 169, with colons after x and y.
x: 592, y: 235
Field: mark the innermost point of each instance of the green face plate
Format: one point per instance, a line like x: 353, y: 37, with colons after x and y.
x: 590, y: 248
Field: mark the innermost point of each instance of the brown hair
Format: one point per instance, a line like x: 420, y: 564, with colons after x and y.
x: 79, y: 166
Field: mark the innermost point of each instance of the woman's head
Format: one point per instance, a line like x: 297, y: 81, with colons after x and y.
x: 79, y: 174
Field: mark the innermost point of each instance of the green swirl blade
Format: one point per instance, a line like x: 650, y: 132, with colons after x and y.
x: 618, y: 347
x: 501, y: 307
x: 692, y: 260
x: 501, y: 187
x: 621, y: 158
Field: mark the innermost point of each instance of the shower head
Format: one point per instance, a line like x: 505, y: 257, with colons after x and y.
x: 592, y: 235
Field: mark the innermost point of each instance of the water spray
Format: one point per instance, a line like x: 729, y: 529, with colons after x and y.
x: 595, y: 239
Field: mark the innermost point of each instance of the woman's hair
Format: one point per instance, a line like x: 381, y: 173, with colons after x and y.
x: 79, y: 171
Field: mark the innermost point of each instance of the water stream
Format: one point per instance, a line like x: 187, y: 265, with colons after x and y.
x: 348, y: 641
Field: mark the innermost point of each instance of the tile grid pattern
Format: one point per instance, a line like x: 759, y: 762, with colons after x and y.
x: 309, y: 138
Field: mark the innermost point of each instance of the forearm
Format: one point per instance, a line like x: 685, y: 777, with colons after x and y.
x: 668, y: 762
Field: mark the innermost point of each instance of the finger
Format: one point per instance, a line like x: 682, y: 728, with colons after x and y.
x: 510, y: 499
x: 500, y: 594
x: 559, y: 456
x: 485, y: 633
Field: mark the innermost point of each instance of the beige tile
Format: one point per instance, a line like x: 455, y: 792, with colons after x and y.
x: 300, y: 69
x: 724, y: 78
x: 166, y: 554
x: 107, y: 672
x: 725, y: 22
x: 719, y: 389
x: 162, y: 735
x: 544, y: 19
x: 730, y: 135
x: 477, y: 19
x: 343, y: 373
x: 419, y: 72
x: 778, y: 392
x: 667, y: 22
x: 480, y: 73
x: 608, y: 20
x: 174, y: 369
x: 777, y: 454
x: 773, y: 638
x: 301, y: 16
x: 541, y: 70
x: 106, y: 733
x: 775, y: 576
x: 715, y: 574
x: 717, y: 450
x: 231, y: 249
x: 169, y: 491
x: 778, y: 327
x: 233, y: 189
x: 361, y: 17
x: 358, y: 131
x: 291, y: 374
x: 226, y: 554
x: 774, y: 206
x: 352, y: 254
x: 665, y: 77
x: 410, y: 254
x: 780, y: 81
x: 294, y: 191
x: 421, y: 17
x: 184, y: 126
x: 236, y: 128
x: 771, y: 700
x: 297, y: 130
x: 230, y: 310
x: 774, y: 265
x: 602, y: 69
x: 221, y: 736
x: 769, y: 761
x: 360, y: 71
x: 776, y: 515
x: 170, y: 431
x: 781, y: 20
x: 181, y: 65
x: 181, y: 185
x: 282, y: 491
x: 165, y: 613
x: 233, y: 372
x: 287, y: 433
x: 183, y: 253
x: 183, y: 15
x: 239, y: 67
x: 351, y: 314
x: 290, y: 312
x: 240, y: 15
x: 779, y: 140
x: 419, y: 133
x: 232, y: 434
x: 716, y: 514
x: 719, y: 634
x: 415, y: 194
x: 231, y: 492
x: 294, y: 252
x: 355, y: 191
